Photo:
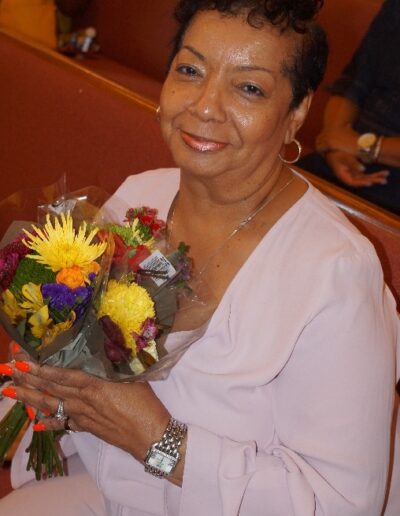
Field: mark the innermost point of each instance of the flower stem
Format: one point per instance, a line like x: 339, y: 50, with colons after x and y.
x: 44, y: 457
x: 10, y: 427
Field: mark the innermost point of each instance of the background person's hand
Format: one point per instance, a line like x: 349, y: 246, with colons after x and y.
x: 351, y: 171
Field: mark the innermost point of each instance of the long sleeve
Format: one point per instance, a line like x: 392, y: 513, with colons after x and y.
x: 362, y: 74
x: 288, y: 395
x: 332, y: 406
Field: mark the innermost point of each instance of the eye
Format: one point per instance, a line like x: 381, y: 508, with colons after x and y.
x: 188, y: 70
x: 252, y: 90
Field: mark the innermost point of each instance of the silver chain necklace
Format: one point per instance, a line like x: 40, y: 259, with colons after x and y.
x: 236, y: 229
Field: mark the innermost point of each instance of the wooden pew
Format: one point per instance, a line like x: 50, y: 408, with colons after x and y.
x: 381, y: 227
x: 57, y: 117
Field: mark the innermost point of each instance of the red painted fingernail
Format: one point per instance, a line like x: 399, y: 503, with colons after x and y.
x: 6, y: 370
x: 15, y: 348
x: 10, y: 392
x: 46, y: 413
x: 31, y: 412
x: 24, y: 367
x: 38, y: 427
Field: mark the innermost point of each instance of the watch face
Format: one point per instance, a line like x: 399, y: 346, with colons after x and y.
x: 367, y: 140
x: 161, y: 461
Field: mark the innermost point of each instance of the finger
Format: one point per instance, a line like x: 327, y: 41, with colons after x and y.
x: 16, y: 352
x: 31, y: 412
x: 370, y: 179
x: 70, y: 425
x: 48, y: 424
x: 31, y: 381
x: 61, y: 376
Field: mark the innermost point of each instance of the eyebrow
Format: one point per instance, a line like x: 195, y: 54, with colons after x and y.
x: 251, y: 68
x: 195, y: 52
x: 243, y: 68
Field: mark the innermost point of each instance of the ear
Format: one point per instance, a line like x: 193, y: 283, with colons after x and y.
x: 297, y: 117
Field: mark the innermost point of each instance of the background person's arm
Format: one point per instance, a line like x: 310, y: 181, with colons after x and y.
x: 338, y: 134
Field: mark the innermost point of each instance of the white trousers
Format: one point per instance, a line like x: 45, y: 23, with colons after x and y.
x: 72, y: 495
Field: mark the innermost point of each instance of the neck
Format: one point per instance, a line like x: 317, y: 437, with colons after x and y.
x: 197, y: 208
x: 231, y: 199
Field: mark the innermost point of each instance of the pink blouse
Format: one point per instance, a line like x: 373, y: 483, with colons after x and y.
x: 289, y: 394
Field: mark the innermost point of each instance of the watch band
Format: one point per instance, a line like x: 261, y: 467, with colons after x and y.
x: 377, y: 149
x: 168, y: 446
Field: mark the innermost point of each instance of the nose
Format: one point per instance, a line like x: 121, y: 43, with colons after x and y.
x: 208, y: 104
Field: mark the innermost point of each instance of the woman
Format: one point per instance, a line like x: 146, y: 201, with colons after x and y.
x: 288, y: 396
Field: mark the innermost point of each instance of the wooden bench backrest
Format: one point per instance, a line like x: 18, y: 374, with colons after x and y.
x: 57, y: 118
x: 379, y: 226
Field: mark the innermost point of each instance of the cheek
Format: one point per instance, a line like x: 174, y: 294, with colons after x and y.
x: 258, y: 128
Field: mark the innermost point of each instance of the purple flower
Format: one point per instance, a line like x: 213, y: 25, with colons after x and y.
x: 149, y: 329
x: 59, y: 296
x: 148, y: 333
x: 82, y: 296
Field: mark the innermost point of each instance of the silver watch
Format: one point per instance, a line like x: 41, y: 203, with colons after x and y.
x: 163, y: 455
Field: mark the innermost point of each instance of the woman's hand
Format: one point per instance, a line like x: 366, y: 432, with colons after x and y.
x: 351, y: 171
x: 127, y: 415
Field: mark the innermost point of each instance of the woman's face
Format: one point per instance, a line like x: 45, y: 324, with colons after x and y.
x: 225, y: 102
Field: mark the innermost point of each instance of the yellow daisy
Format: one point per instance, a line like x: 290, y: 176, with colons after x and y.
x: 60, y: 247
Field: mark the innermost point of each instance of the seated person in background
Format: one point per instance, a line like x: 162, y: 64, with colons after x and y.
x: 359, y: 146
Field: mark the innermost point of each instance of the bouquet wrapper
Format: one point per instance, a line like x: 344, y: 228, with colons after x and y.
x: 179, y: 312
x: 68, y: 344
x: 82, y: 345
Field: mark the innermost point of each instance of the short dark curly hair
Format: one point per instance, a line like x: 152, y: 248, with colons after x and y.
x: 306, y: 68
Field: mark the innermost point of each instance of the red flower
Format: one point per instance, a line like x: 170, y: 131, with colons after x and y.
x: 142, y: 252
x: 120, y: 249
x: 10, y: 256
x: 145, y: 219
x: 157, y: 226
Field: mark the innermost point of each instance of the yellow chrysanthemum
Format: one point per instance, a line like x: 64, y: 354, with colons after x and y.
x: 128, y: 306
x: 60, y: 247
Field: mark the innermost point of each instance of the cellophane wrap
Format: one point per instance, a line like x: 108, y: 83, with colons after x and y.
x: 94, y: 342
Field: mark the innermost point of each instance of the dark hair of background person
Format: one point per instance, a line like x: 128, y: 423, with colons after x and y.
x: 307, y: 67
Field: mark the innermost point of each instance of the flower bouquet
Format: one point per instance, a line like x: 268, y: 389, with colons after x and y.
x: 145, y: 288
x: 49, y: 276
x: 80, y: 292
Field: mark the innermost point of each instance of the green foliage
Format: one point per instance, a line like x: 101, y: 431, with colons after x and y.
x: 125, y: 232
x: 30, y: 271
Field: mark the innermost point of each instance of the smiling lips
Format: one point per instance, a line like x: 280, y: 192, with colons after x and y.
x: 200, y: 144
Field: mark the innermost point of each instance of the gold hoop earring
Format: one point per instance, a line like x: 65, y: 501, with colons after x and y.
x: 158, y: 110
x: 299, y: 151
